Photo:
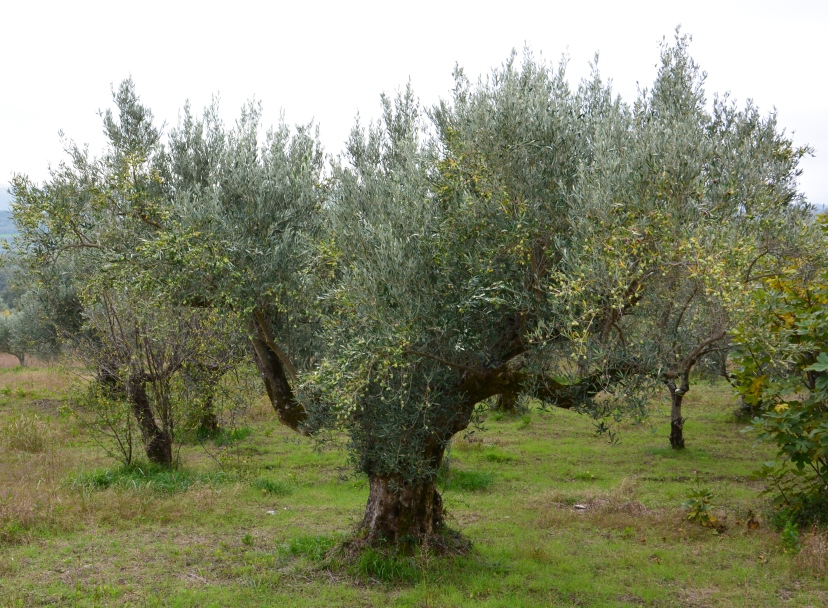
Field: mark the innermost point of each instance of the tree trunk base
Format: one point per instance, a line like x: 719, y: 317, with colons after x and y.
x: 677, y: 434
x: 400, y: 513
x: 159, y: 450
x: 507, y: 403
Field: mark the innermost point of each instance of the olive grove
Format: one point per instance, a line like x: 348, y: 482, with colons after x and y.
x: 522, y: 240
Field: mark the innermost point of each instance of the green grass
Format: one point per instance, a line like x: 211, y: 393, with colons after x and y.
x: 556, y: 515
x: 464, y: 481
x: 146, y: 477
x: 268, y: 486
x: 232, y: 436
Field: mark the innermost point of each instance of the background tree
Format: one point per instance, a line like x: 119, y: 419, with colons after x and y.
x: 675, y: 218
x: 89, y: 222
x: 781, y: 371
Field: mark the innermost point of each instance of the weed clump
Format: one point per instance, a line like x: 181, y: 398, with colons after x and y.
x: 226, y: 437
x: 699, y: 506
x: 25, y: 434
x: 499, y: 457
x: 813, y: 553
x: 387, y: 567
x: 313, y: 548
x: 277, y: 488
x: 145, y: 477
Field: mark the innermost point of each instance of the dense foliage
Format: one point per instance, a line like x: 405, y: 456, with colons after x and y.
x: 781, y: 372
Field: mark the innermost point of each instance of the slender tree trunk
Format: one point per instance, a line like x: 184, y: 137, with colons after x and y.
x: 208, y: 423
x: 208, y: 376
x: 22, y: 358
x: 676, y: 420
x: 401, y: 513
x: 157, y: 443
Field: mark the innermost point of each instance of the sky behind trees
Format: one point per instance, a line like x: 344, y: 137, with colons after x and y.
x: 328, y: 61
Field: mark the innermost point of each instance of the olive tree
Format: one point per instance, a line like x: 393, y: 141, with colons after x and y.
x: 675, y: 218
x: 244, y: 204
x: 440, y: 260
x: 87, y: 224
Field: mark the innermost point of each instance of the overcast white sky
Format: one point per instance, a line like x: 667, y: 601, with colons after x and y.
x: 329, y: 60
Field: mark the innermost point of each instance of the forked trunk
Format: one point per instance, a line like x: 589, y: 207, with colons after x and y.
x: 401, y: 513
x: 157, y: 443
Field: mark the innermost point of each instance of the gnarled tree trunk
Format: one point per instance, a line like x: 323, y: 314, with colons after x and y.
x: 401, y: 513
x: 157, y: 443
x: 272, y: 370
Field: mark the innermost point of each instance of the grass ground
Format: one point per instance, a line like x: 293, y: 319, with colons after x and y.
x: 256, y: 529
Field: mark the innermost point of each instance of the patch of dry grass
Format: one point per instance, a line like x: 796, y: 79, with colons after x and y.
x: 31, y: 496
x: 28, y: 381
x: 813, y: 557
x: 25, y: 433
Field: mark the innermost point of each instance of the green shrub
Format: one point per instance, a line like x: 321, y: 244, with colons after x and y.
x: 781, y: 371
x: 790, y: 537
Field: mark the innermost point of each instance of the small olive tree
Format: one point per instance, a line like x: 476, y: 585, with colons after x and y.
x: 89, y: 223
x: 683, y: 207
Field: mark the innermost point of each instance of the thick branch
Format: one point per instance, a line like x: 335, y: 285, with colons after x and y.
x: 265, y: 334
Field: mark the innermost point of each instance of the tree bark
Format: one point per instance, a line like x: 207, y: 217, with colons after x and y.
x: 506, y: 403
x: 401, y: 513
x: 676, y: 421
x: 272, y: 371
x: 157, y: 443
x: 208, y: 376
